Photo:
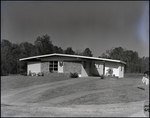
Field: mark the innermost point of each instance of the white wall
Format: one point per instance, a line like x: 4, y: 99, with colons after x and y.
x: 34, y: 67
x: 114, y: 66
x: 121, y: 71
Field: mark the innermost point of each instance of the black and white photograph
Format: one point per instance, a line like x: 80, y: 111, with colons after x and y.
x: 74, y: 58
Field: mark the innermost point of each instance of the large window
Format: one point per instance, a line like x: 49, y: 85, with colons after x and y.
x: 53, y: 66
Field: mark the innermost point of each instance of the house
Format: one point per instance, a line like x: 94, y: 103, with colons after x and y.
x: 83, y: 65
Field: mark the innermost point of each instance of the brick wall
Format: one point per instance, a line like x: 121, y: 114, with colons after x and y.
x: 72, y: 67
x: 44, y: 67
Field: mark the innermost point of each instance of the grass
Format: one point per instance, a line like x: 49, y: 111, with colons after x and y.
x: 112, y: 96
x: 65, y: 90
x: 107, y: 97
x: 19, y: 81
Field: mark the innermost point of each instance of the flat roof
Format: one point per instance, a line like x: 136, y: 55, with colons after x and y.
x: 68, y: 55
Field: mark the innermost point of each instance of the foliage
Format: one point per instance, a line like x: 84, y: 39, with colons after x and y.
x: 69, y: 51
x: 74, y: 75
x: 40, y: 74
x: 11, y: 53
x: 44, y: 45
x: 134, y: 64
x: 110, y: 71
x: 78, y: 52
x: 24, y: 73
x: 57, y: 49
x: 87, y: 52
x: 102, y: 76
x: 33, y: 74
x: 30, y: 73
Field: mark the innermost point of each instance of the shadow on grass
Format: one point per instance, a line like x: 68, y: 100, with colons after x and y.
x: 141, y: 88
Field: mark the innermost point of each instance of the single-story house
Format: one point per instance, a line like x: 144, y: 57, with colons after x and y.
x: 65, y: 63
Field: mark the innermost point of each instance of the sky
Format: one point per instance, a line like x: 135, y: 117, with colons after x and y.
x: 97, y: 25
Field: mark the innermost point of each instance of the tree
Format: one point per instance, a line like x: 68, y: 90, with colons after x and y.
x: 133, y: 62
x: 87, y: 52
x: 78, y: 52
x: 28, y: 49
x: 44, y: 45
x: 104, y: 56
x: 69, y: 51
x: 5, y: 56
x: 57, y: 49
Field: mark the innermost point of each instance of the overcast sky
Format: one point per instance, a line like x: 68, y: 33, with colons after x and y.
x: 97, y: 25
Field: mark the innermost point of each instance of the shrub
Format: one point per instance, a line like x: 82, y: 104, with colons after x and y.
x: 30, y: 73
x: 117, y: 77
x: 40, y: 74
x: 3, y: 73
x: 74, y: 75
x: 102, y: 76
x: 24, y: 73
x: 110, y: 71
x: 33, y: 74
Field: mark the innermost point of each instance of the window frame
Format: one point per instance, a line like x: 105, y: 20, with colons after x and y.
x: 53, y: 66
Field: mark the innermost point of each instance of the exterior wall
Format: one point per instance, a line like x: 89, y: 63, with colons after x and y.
x: 44, y: 67
x: 72, y: 66
x: 97, y: 68
x: 121, y: 70
x: 85, y: 72
x: 114, y: 66
x: 34, y: 67
x: 93, y: 67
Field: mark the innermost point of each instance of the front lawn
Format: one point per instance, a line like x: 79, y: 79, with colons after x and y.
x: 19, y: 81
x: 120, y: 90
x: 109, y: 97
x: 124, y: 92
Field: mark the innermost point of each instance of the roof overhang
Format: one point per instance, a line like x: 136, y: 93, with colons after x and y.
x: 67, y: 55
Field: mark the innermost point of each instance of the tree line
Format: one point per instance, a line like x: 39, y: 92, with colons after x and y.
x: 12, y: 52
x: 134, y: 64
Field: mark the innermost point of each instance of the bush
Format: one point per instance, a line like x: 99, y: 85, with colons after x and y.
x: 110, y: 71
x: 25, y: 73
x: 102, y: 76
x: 40, y: 74
x: 4, y: 74
x: 74, y: 75
x: 30, y: 73
x: 33, y: 74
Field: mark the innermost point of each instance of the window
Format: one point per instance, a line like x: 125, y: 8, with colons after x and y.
x: 53, y: 66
